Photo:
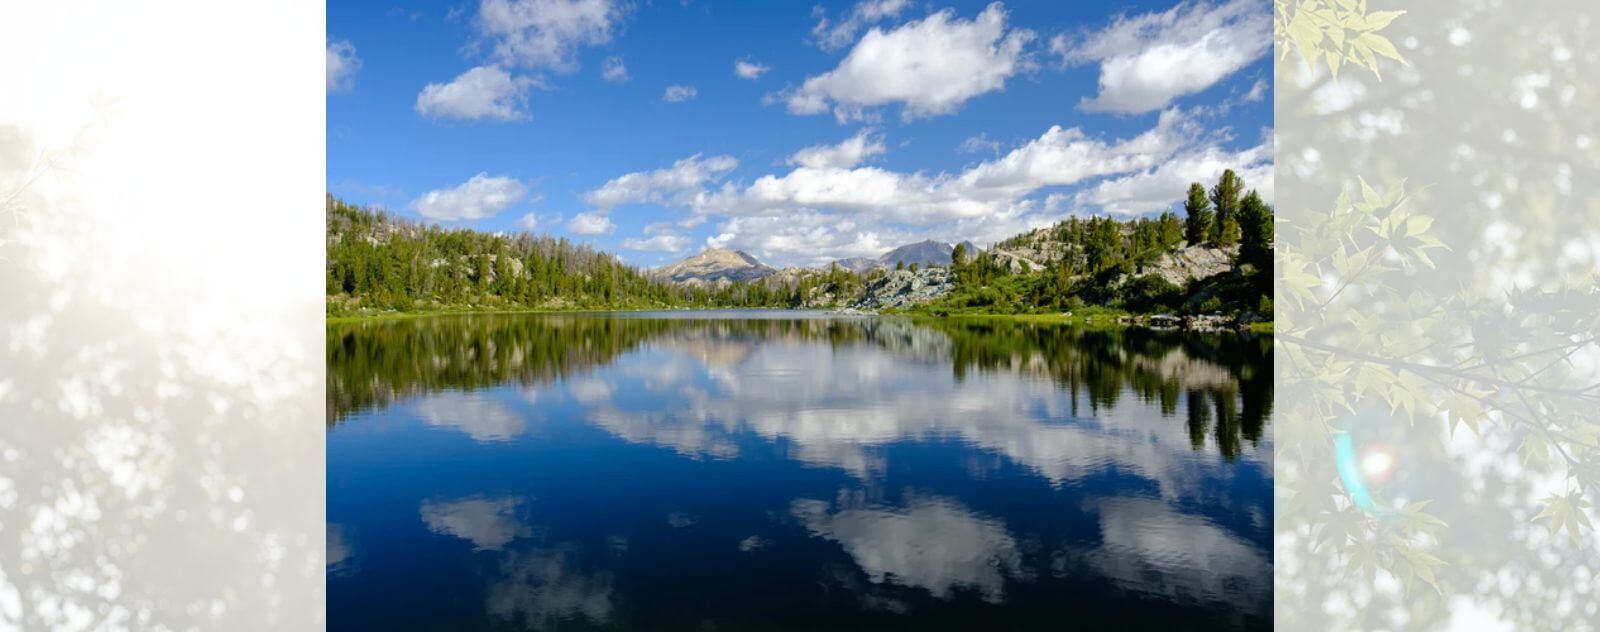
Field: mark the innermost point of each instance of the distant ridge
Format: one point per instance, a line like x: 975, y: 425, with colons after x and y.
x: 713, y: 265
x: 922, y: 253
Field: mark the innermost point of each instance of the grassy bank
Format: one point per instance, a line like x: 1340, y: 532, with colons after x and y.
x: 1092, y: 317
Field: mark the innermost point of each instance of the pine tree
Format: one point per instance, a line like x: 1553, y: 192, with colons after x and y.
x: 1197, y: 209
x: 1171, y: 231
x: 1225, y: 200
x: 1256, y: 226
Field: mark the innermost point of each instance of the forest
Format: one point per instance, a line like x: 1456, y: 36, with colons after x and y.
x: 1101, y: 261
x: 377, y: 263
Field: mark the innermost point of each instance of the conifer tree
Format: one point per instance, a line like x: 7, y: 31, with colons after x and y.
x: 1197, y: 208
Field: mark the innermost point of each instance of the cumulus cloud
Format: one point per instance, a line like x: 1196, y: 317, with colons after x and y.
x: 485, y: 92
x: 748, y: 69
x: 844, y: 155
x: 614, y: 70
x: 342, y: 66
x: 545, y: 34
x: 676, y: 94
x: 529, y: 222
x: 677, y: 184
x: 828, y: 205
x: 590, y: 224
x: 1164, y: 186
x: 930, y: 66
x: 658, y: 238
x: 1060, y: 156
x: 833, y: 35
x: 1148, y: 60
x: 477, y: 198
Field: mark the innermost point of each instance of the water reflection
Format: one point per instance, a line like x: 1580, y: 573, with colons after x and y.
x: 840, y: 471
x: 935, y: 544
x: 540, y: 588
x: 1150, y: 547
x: 488, y: 523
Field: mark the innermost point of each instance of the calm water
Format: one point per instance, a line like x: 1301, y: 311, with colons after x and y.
x: 736, y: 471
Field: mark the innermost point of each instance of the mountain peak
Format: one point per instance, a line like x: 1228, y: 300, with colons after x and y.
x: 715, y: 264
x: 924, y: 253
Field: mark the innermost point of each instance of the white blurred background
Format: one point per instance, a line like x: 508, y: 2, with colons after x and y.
x: 161, y: 372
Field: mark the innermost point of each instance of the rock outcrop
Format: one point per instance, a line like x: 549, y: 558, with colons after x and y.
x: 1197, y: 262
x: 1015, y: 264
x: 903, y: 288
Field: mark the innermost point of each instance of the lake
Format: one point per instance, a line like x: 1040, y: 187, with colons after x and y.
x: 791, y: 470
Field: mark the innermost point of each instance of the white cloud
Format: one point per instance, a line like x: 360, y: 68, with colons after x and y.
x: 590, y: 224
x: 529, y: 222
x: 1258, y: 91
x: 614, y: 70
x: 1148, y: 60
x: 677, y: 184
x: 544, y: 34
x: 747, y: 69
x: 829, y: 206
x: 477, y: 198
x: 1060, y: 156
x: 844, y: 155
x: 485, y: 92
x: 931, y: 66
x: 980, y: 144
x: 1164, y: 186
x: 342, y: 66
x: 675, y: 94
x: 806, y: 237
x: 661, y: 239
x: 831, y: 36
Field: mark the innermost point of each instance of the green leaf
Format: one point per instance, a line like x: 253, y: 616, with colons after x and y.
x: 1565, y: 512
x: 1369, y: 194
x: 1380, y: 19
x: 1380, y: 45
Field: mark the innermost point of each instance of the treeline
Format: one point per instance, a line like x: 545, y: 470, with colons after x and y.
x: 1104, y: 261
x: 376, y: 261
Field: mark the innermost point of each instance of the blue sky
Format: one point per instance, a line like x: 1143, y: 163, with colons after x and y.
x: 851, y: 127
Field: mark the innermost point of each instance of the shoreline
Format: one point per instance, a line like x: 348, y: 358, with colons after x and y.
x: 1097, y: 320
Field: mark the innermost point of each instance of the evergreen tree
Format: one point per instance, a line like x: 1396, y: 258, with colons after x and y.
x: 1256, y: 226
x: 1197, y: 209
x: 1171, y: 231
x: 1225, y: 200
x: 1228, y: 232
x: 1104, y: 246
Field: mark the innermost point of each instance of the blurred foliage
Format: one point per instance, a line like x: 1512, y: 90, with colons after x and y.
x: 1446, y: 332
x: 1336, y: 32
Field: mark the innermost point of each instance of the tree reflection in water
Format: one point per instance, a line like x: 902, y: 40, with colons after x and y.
x: 1224, y: 380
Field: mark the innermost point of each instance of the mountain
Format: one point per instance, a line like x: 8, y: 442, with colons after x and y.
x: 715, y: 264
x: 858, y: 264
x: 922, y: 253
